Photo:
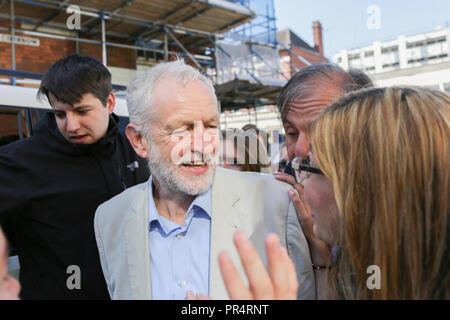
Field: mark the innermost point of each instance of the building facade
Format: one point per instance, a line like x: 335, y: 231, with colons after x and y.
x: 421, y: 60
x: 294, y: 54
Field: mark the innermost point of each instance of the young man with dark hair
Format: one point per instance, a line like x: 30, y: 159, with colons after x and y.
x: 52, y: 183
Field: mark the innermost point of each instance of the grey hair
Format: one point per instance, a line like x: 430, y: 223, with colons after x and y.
x: 140, y: 105
x: 305, y: 82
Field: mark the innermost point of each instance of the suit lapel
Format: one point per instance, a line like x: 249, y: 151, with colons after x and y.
x: 226, y: 218
x: 137, y: 246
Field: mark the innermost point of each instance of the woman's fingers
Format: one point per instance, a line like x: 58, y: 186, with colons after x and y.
x: 258, y: 278
x: 285, y: 178
x: 291, y: 274
x: 280, y: 282
x: 199, y: 296
x: 190, y: 295
x: 278, y: 269
x: 317, y: 246
x: 303, y: 213
x: 235, y: 286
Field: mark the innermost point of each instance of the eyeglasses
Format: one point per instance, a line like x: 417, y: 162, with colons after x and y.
x: 304, y: 164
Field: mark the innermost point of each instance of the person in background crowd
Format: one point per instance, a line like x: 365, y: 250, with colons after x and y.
x: 281, y: 160
x: 378, y: 187
x: 261, y: 134
x: 243, y: 151
x: 52, y: 182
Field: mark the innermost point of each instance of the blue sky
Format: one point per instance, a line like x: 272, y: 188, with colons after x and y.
x: 345, y: 21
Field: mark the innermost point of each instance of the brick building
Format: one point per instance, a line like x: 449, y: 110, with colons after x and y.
x: 295, y: 53
x: 37, y: 54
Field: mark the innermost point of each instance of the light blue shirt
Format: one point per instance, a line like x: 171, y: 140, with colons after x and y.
x: 179, y: 255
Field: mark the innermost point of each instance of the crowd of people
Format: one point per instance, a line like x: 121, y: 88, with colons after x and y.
x: 174, y: 208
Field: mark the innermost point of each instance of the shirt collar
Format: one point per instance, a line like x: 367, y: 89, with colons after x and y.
x: 202, y: 201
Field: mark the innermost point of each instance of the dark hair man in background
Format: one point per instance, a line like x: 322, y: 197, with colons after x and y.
x: 52, y: 183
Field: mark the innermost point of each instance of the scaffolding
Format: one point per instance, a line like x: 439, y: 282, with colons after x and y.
x: 181, y: 27
x: 247, y: 60
x: 262, y: 29
x: 232, y: 41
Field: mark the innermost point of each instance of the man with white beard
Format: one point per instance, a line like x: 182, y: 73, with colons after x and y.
x: 161, y: 239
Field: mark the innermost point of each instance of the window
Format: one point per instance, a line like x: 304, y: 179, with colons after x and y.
x: 444, y: 55
x: 416, y: 60
x: 415, y: 44
x: 368, y: 54
x: 395, y: 64
x: 18, y: 123
x: 353, y: 56
x: 425, y: 42
x: 389, y: 49
x: 436, y: 40
x: 12, y: 125
x: 447, y: 87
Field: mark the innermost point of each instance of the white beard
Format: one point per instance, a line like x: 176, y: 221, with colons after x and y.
x: 171, y: 178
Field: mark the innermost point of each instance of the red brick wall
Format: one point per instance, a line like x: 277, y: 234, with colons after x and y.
x: 312, y: 57
x: 39, y: 59
x: 115, y: 56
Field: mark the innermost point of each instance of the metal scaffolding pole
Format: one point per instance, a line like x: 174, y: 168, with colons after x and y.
x: 166, y: 47
x: 13, y: 45
x: 77, y: 44
x: 110, y: 44
x: 102, y: 18
x: 184, y: 49
x: 114, y: 16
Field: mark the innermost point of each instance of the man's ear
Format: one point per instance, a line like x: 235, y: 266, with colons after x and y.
x: 111, y: 102
x: 137, y: 140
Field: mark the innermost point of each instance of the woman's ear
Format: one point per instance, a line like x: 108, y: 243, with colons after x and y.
x: 137, y: 140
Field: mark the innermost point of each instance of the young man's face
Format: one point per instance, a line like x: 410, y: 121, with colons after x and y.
x: 83, y: 122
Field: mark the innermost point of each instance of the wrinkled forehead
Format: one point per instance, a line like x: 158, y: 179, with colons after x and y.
x: 323, y: 90
x: 302, y: 110
x: 188, y: 109
x: 170, y: 95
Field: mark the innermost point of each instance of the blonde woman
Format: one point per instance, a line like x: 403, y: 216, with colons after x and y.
x: 378, y: 188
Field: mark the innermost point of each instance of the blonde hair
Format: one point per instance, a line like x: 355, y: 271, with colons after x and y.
x: 386, y: 152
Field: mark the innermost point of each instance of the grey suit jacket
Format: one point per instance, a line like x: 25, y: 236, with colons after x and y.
x: 253, y: 202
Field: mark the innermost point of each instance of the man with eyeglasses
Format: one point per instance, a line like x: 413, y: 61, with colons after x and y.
x: 300, y: 102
